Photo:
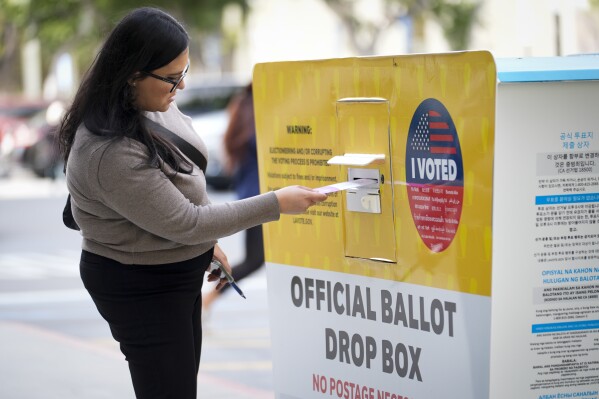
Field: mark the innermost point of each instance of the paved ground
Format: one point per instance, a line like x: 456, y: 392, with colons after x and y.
x: 53, y: 343
x: 37, y: 363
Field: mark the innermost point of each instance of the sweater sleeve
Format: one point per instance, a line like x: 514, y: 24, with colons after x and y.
x: 146, y: 197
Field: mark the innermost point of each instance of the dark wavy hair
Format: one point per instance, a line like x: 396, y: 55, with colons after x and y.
x: 144, y: 40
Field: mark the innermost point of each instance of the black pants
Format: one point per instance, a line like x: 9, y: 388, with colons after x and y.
x: 154, y: 312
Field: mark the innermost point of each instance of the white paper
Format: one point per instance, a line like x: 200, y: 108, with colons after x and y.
x: 356, y: 159
x: 345, y: 185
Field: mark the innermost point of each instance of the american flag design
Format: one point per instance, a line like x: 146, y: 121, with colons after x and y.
x: 432, y: 134
x: 434, y: 175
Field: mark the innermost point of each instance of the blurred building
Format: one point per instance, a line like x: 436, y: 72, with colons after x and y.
x: 533, y: 28
x: 307, y: 29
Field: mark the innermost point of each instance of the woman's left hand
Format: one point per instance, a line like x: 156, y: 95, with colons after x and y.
x: 220, y: 256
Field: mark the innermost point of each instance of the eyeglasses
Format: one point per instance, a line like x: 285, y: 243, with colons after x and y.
x: 175, y: 83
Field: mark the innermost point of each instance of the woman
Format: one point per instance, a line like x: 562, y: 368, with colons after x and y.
x: 149, y: 230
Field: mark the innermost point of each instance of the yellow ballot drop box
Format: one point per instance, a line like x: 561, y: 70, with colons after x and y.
x: 385, y: 289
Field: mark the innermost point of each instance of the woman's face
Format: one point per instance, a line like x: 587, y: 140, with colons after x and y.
x: 153, y: 94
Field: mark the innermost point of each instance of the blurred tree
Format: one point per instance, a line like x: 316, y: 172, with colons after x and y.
x: 365, y: 27
x: 456, y: 18
x: 78, y: 27
x: 9, y: 41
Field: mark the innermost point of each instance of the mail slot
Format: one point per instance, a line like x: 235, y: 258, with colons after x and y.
x: 368, y: 221
x: 365, y: 199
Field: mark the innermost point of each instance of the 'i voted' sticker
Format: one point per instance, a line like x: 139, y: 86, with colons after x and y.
x: 434, y: 175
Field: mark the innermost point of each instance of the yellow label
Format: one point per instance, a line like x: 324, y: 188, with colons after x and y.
x: 302, y: 121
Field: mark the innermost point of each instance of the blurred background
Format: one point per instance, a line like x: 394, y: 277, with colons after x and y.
x: 49, y: 329
x: 46, y: 45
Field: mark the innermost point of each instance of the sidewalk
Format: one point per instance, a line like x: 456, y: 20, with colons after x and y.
x: 53, y: 343
x: 36, y: 363
x: 23, y: 184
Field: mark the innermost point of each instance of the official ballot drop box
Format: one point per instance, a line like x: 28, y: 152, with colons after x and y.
x: 466, y: 262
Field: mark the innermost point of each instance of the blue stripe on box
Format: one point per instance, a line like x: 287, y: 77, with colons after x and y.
x: 566, y: 199
x: 565, y: 326
x: 548, y: 69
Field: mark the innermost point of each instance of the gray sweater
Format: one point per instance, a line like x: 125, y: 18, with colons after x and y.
x: 137, y: 214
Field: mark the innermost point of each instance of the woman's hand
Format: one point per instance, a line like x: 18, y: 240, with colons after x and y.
x: 294, y: 200
x: 216, y: 274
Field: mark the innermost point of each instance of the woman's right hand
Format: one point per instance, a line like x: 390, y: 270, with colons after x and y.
x: 294, y: 200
